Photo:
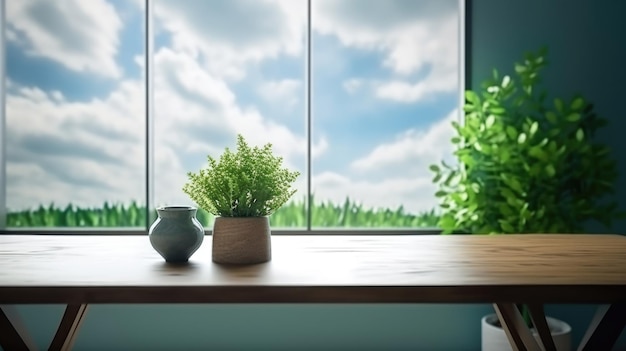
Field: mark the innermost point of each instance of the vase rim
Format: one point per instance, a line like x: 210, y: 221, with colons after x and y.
x: 176, y: 208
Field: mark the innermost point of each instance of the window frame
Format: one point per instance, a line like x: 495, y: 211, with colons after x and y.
x: 465, y: 67
x: 3, y: 167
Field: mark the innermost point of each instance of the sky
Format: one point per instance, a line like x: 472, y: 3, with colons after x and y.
x: 384, y: 89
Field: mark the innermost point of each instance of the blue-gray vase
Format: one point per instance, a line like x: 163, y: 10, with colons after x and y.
x: 177, y: 233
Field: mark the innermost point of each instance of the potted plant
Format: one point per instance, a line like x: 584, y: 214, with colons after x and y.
x: 525, y: 165
x: 242, y: 189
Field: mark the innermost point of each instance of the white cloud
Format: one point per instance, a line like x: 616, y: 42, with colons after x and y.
x: 228, y: 35
x: 414, y: 36
x: 400, y: 165
x: 10, y: 35
x: 286, y: 92
x: 352, y: 85
x: 415, y: 194
x: 412, y: 149
x: 407, y: 92
x: 81, y: 35
x: 81, y: 152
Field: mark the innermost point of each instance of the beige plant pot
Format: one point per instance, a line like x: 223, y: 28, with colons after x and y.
x: 241, y: 240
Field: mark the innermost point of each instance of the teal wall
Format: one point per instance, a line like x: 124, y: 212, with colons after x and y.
x: 588, y: 54
x: 284, y: 327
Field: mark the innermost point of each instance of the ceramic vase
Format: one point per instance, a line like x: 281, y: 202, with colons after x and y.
x: 176, y: 234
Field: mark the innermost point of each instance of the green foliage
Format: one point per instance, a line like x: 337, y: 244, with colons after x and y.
x: 526, y: 165
x: 247, y: 183
x: 290, y: 215
x: 109, y: 215
x: 350, y: 214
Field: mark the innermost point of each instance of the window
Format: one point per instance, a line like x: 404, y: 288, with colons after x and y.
x: 74, y: 116
x: 357, y: 95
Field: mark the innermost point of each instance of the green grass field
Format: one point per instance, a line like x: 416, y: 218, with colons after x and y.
x: 291, y: 215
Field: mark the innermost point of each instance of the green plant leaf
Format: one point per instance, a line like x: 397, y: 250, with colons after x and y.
x: 505, y: 209
x: 472, y: 97
x: 558, y: 103
x: 538, y: 153
x: 580, y: 134
x: 511, y: 132
x: 521, y: 138
x: 506, y: 226
x: 437, y: 177
x: 435, y: 168
x: 520, y: 68
x: 491, y: 119
x: 573, y: 117
x: 533, y: 128
x: 550, y: 170
x: 507, y: 193
x: 505, y: 81
x: 551, y: 117
x: 577, y: 104
x: 505, y: 155
x: 497, y: 110
x: 441, y: 193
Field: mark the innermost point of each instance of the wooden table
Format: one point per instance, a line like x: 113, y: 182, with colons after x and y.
x: 78, y: 270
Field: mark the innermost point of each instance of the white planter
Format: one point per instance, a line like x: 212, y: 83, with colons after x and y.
x: 494, y: 338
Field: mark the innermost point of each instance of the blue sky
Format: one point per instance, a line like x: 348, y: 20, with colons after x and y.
x: 384, y: 76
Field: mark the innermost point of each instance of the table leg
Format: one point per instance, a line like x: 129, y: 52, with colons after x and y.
x: 68, y: 328
x: 605, y: 328
x: 541, y: 325
x: 515, y: 328
x: 12, y: 331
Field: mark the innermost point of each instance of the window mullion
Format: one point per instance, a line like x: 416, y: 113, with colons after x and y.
x: 149, y: 109
x: 3, y: 134
x: 309, y: 163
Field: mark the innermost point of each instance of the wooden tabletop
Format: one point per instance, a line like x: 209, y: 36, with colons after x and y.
x: 387, y: 268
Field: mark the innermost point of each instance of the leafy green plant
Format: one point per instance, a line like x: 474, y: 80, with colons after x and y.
x: 247, y: 183
x: 526, y: 165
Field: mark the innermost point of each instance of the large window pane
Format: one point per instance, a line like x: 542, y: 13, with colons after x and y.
x: 75, y: 120
x: 224, y: 67
x: 385, y: 89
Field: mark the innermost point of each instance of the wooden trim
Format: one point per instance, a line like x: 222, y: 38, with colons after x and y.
x: 307, y: 294
x: 68, y: 328
x: 515, y: 328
